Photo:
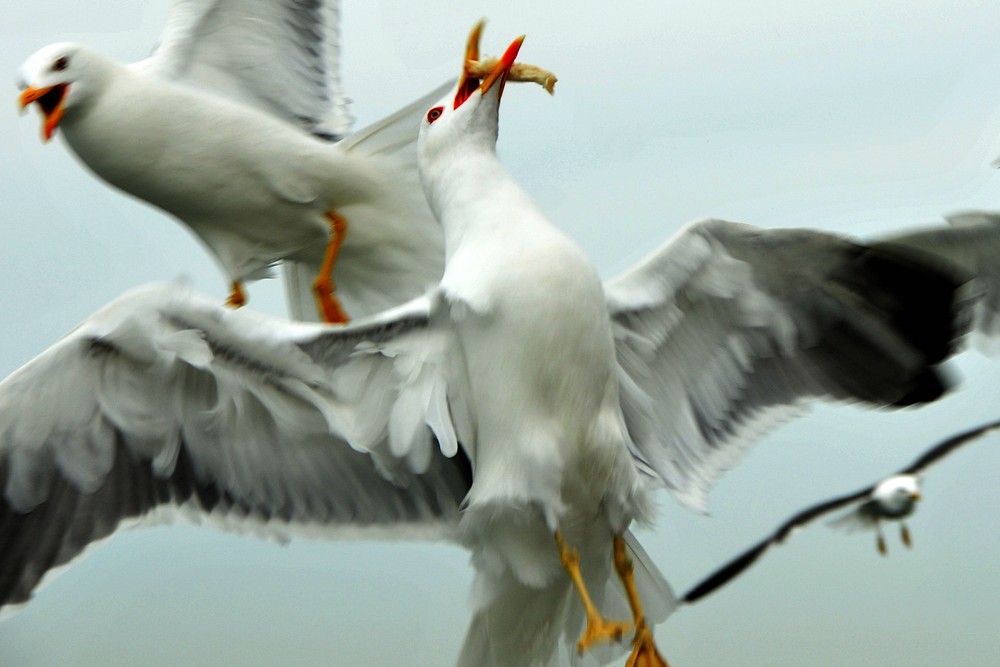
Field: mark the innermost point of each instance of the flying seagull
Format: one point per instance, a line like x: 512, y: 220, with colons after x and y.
x: 520, y: 408
x: 237, y: 126
x: 892, y: 499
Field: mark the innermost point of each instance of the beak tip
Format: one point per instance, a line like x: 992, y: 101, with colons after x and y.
x: 511, y: 53
x: 27, y: 96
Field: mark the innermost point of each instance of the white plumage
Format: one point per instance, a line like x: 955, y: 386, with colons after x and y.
x: 227, y: 127
x: 517, y: 398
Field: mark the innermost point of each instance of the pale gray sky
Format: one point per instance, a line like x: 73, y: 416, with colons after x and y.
x: 850, y: 116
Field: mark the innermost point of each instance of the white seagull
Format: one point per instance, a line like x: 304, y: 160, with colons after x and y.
x: 520, y: 408
x: 892, y: 499
x: 236, y: 126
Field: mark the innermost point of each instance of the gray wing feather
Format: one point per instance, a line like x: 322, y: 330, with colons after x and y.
x: 166, y: 400
x: 280, y: 56
x: 730, y: 328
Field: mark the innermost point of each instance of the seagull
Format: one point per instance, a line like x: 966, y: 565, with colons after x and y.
x: 521, y: 408
x: 237, y: 126
x: 892, y: 499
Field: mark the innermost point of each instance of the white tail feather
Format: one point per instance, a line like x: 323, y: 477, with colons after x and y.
x: 524, y: 626
x: 394, y: 248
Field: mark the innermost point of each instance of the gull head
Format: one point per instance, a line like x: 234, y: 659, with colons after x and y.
x: 470, y: 115
x: 55, y: 77
x: 896, y: 496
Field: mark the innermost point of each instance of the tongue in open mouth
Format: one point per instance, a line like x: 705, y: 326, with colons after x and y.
x: 50, y: 101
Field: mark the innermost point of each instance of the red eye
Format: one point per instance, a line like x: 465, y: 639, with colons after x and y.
x: 434, y: 114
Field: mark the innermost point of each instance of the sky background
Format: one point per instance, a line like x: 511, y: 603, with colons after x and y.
x: 855, y: 117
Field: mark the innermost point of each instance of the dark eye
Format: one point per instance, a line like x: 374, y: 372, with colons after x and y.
x: 60, y: 63
x: 434, y: 114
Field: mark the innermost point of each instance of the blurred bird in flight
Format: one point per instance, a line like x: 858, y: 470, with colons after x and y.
x: 521, y: 407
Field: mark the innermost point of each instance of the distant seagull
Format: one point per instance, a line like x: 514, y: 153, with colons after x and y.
x: 892, y: 499
x: 522, y: 407
x: 236, y: 126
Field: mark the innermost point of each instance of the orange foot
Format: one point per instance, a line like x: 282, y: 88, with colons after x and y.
x: 237, y: 297
x: 599, y: 630
x: 329, y: 305
x: 644, y: 653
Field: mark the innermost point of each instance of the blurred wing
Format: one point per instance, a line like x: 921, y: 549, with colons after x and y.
x: 942, y: 449
x: 280, y: 56
x: 729, y: 328
x: 864, y: 517
x: 165, y: 401
x: 737, y: 565
x: 973, y: 243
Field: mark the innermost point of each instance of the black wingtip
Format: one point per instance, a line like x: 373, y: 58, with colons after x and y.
x: 948, y: 445
x: 925, y: 388
x: 921, y: 295
x: 911, y: 314
x: 328, y: 137
x: 723, y: 575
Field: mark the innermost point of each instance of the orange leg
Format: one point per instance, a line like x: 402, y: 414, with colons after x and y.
x: 323, y: 287
x: 598, y: 628
x: 237, y: 297
x: 644, y: 652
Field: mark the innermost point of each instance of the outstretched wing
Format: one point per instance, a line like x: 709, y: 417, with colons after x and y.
x: 164, y: 401
x: 737, y: 565
x: 945, y: 447
x: 280, y: 56
x: 729, y: 328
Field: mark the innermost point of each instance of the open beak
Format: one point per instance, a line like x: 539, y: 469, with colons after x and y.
x: 502, y: 68
x: 469, y: 84
x: 50, y: 101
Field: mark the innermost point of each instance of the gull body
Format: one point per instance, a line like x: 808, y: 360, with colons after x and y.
x: 252, y: 187
x: 245, y: 161
x: 896, y: 497
x: 539, y: 402
x: 506, y: 264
